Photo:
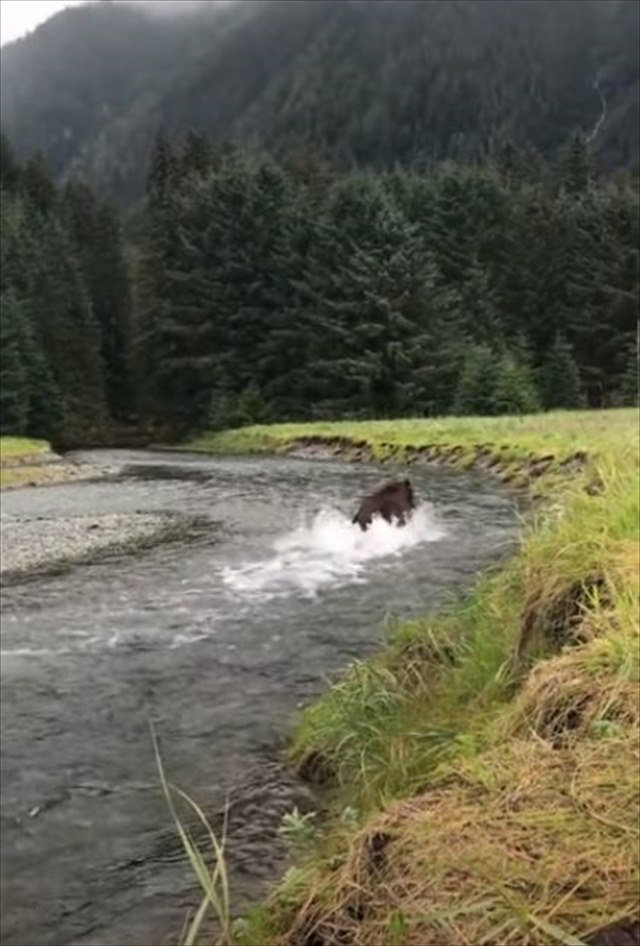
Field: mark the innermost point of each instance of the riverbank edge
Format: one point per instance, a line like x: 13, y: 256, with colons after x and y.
x: 540, y: 661
x: 28, y: 463
x: 34, y: 463
x: 523, y: 452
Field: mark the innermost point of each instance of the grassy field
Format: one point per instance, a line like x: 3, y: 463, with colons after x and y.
x: 483, y: 770
x: 560, y: 432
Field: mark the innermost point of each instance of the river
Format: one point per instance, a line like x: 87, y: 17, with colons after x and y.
x: 219, y: 642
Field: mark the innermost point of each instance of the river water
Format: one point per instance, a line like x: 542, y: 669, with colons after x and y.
x: 218, y: 642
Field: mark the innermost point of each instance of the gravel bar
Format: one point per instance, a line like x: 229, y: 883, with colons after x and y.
x: 45, y: 545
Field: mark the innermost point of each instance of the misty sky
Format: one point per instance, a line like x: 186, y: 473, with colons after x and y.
x: 18, y: 17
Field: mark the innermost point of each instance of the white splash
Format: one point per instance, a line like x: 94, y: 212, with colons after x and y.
x: 329, y: 551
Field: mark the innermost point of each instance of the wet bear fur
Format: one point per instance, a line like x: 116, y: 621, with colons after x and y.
x: 395, y: 500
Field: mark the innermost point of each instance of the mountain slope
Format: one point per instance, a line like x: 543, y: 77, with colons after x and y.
x: 362, y: 81
x: 88, y: 68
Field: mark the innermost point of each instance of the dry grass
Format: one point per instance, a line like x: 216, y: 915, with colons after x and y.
x: 569, y: 697
x: 40, y: 475
x: 523, y: 846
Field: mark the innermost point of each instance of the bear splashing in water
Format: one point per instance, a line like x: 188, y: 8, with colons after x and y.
x: 394, y: 500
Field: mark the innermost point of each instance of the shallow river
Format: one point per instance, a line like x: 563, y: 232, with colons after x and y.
x: 218, y: 642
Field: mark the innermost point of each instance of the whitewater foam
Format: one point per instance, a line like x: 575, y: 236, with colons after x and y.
x: 328, y: 551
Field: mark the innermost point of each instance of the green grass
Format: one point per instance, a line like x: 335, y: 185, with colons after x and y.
x: 492, y: 750
x: 19, y: 450
x: 13, y: 447
x: 559, y: 432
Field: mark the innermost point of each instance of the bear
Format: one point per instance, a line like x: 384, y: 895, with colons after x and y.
x: 394, y: 500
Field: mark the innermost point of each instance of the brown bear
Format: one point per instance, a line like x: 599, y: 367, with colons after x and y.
x: 393, y: 500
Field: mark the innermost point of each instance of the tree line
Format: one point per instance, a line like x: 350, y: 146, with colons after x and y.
x: 249, y: 290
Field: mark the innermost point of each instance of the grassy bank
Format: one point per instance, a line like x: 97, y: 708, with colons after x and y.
x: 21, y: 461
x: 560, y: 431
x: 27, y: 462
x: 483, y: 769
x: 14, y: 447
x: 535, y: 451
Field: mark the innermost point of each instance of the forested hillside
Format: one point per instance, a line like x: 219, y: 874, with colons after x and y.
x: 361, y: 82
x: 254, y: 290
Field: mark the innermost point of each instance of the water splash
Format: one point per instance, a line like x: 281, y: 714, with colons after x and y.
x: 329, y: 551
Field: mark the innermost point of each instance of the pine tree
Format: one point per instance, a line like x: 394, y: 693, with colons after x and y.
x: 576, y: 167
x: 385, y: 303
x: 251, y: 408
x: 197, y: 155
x: 480, y: 305
x: 155, y: 257
x: 628, y: 394
x: 254, y: 203
x: 559, y: 378
x: 474, y: 394
x: 61, y: 314
x: 110, y: 293
x: 600, y: 294
x: 288, y: 349
x: 9, y: 168
x: 98, y: 245
x: 514, y: 390
x: 37, y: 185
x: 519, y: 166
x: 163, y: 171
x: 14, y: 394
x: 48, y: 418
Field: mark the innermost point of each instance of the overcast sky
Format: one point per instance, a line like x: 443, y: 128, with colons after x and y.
x: 18, y: 17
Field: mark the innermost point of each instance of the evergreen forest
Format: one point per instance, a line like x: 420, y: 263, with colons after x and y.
x: 243, y: 288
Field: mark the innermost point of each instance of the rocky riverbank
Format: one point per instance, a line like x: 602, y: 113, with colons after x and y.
x: 40, y: 545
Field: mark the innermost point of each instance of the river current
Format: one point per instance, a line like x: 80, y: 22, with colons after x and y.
x: 218, y: 642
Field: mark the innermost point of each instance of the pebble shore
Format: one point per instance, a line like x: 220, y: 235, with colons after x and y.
x: 38, y: 545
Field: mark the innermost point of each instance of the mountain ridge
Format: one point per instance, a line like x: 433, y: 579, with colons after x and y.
x: 361, y: 82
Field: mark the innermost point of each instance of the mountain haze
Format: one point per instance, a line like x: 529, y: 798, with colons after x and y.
x: 361, y: 82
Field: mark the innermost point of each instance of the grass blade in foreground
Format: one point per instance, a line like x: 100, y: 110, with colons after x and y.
x: 214, y: 883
